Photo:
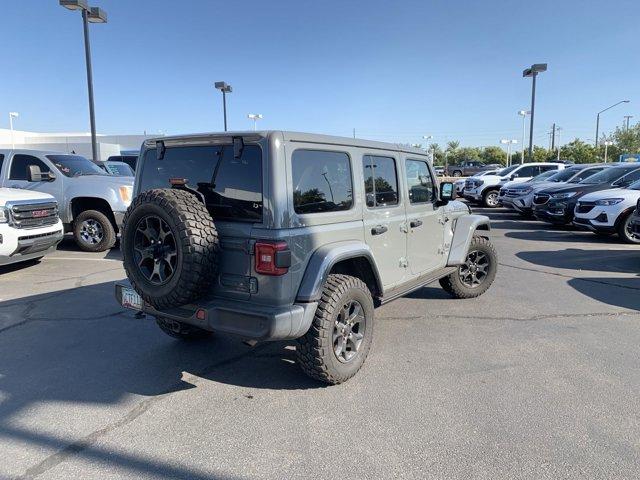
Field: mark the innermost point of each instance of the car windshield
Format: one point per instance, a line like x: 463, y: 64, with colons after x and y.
x: 562, y: 175
x: 543, y: 176
x: 608, y: 175
x: 508, y: 170
x: 75, y: 165
x: 119, y: 169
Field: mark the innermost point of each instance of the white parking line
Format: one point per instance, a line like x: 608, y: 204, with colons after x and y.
x: 84, y: 258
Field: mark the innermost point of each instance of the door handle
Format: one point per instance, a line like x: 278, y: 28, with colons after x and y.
x: 415, y: 223
x: 378, y: 230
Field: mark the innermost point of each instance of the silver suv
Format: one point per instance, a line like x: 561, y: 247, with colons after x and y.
x: 278, y: 235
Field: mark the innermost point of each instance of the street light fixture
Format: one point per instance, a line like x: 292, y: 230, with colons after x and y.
x: 255, y: 117
x: 532, y: 72
x: 12, y: 115
x: 598, y: 117
x: 508, y: 143
x: 225, y: 88
x: 89, y: 15
x: 524, y: 114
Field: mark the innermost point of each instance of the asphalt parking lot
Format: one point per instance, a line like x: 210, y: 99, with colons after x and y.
x: 539, y: 378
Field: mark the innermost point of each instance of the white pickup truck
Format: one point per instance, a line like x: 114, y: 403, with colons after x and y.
x: 29, y: 225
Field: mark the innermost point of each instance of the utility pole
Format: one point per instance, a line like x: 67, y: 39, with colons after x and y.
x: 553, y: 138
x: 626, y: 121
x: 354, y: 133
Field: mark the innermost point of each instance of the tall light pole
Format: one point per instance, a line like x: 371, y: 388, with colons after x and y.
x: 524, y: 114
x: 532, y: 72
x: 255, y: 117
x: 224, y: 88
x: 607, y: 143
x: 626, y: 121
x: 602, y: 111
x: 92, y: 15
x: 508, y: 143
x: 12, y: 115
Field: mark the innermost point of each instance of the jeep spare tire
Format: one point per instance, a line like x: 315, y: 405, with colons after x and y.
x: 169, y: 247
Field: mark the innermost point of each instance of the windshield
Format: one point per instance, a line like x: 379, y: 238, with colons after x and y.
x: 508, y: 170
x: 543, y: 176
x: 563, y: 175
x: 119, y: 169
x: 75, y: 165
x: 608, y: 175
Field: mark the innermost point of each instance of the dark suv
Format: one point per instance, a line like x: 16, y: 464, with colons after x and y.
x: 556, y: 205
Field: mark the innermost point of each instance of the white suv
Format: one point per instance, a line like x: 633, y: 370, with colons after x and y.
x: 29, y: 225
x: 609, y: 211
x: 486, y: 189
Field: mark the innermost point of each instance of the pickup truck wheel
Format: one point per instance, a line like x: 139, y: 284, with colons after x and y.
x: 169, y: 247
x: 181, y: 330
x: 339, y: 339
x: 476, y: 275
x: 93, y: 231
x: 624, y: 230
x: 490, y: 199
x: 457, y: 173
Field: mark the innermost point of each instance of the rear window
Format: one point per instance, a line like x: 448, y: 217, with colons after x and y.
x: 232, y: 188
x: 321, y: 181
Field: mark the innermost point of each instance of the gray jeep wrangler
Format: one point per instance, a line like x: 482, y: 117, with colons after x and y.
x: 277, y: 236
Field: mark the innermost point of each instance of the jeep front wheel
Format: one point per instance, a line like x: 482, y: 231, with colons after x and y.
x: 93, y: 231
x: 476, y: 274
x: 339, y: 339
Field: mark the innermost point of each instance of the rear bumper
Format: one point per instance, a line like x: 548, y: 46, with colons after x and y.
x: 246, y: 320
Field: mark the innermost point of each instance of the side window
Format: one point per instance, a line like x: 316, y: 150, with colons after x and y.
x: 20, y: 166
x: 528, y: 171
x: 419, y: 182
x: 321, y: 181
x: 546, y: 168
x: 380, y: 181
x: 630, y: 178
x: 586, y: 173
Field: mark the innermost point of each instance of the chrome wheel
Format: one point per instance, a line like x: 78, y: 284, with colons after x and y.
x: 348, y: 331
x: 631, y: 235
x: 91, y: 231
x: 155, y: 250
x: 492, y: 199
x: 475, y: 269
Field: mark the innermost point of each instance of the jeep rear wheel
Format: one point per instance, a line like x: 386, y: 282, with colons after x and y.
x: 476, y: 274
x: 490, y: 199
x: 169, y: 247
x: 339, y: 339
x: 93, y: 231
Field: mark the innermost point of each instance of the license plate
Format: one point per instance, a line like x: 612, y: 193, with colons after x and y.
x: 131, y: 299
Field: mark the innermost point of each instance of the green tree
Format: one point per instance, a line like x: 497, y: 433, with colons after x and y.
x: 578, y: 151
x: 493, y: 154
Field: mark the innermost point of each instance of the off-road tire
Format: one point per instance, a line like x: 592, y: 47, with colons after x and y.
x: 456, y: 173
x: 486, y: 202
x: 181, y: 330
x: 196, y: 245
x: 454, y: 286
x: 108, y: 232
x: 315, y: 351
x: 623, y: 233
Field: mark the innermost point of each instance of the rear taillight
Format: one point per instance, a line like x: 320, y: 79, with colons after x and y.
x: 272, y: 258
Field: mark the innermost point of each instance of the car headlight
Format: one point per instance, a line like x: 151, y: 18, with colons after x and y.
x: 478, y: 183
x: 609, y: 201
x: 563, y: 195
x: 126, y: 192
x: 4, y: 215
x: 524, y: 191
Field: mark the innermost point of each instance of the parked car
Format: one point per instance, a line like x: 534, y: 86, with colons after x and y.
x: 467, y: 168
x: 520, y: 196
x: 459, y: 184
x: 609, y: 211
x: 557, y: 204
x: 130, y: 160
x: 293, y: 236
x: 91, y: 202
x: 486, y: 190
x: 29, y: 225
x: 118, y: 169
x: 439, y: 171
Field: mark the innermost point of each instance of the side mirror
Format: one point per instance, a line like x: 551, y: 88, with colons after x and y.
x: 34, y: 174
x: 446, y: 193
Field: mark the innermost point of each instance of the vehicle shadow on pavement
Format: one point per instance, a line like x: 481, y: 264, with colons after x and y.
x: 563, y: 236
x: 78, y: 346
x: 618, y: 261
x: 619, y: 292
x: 68, y: 244
x: 429, y: 293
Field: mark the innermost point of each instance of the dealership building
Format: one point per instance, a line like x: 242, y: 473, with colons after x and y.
x: 71, y: 142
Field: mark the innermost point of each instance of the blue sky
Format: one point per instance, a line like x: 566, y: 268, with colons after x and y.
x: 393, y: 70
